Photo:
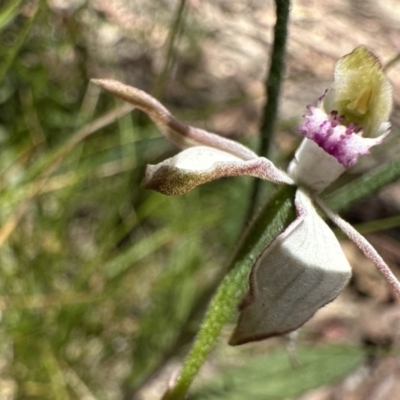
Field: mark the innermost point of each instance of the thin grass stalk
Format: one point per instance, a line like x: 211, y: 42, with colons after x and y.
x: 273, y: 89
x: 176, y: 29
x: 22, y: 37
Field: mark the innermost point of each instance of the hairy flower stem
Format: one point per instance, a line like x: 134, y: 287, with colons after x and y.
x: 277, y: 215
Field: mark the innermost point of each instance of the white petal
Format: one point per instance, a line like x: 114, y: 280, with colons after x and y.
x: 302, y: 270
x: 313, y: 167
x: 200, y: 158
x: 197, y: 165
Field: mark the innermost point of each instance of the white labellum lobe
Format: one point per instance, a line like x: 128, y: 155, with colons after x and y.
x: 303, y: 269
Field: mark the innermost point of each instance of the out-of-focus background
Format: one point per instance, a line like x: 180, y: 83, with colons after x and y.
x: 102, y: 283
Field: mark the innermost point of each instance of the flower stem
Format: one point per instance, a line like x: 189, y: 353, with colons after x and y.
x: 276, y: 216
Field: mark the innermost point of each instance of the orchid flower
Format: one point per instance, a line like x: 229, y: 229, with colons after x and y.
x: 304, y: 267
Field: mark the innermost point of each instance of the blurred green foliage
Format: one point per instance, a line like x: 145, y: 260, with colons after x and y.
x: 98, y: 276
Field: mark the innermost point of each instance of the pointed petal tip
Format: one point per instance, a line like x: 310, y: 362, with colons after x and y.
x: 131, y: 95
x: 95, y: 81
x: 241, y: 336
x: 236, y: 339
x: 104, y: 83
x: 167, y: 180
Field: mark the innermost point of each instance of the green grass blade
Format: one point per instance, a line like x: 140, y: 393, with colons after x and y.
x: 12, y: 54
x: 363, y: 186
x: 378, y: 225
x: 9, y: 12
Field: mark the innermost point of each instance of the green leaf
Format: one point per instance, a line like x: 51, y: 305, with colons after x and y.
x: 378, y: 225
x: 272, y: 376
x: 273, y: 219
x: 363, y: 186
